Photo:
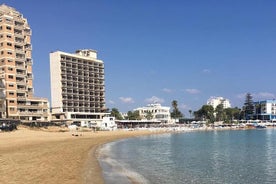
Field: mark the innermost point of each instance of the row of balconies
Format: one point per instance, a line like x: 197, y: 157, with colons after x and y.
x: 97, y: 82
x: 77, y: 71
x: 83, y: 100
x: 75, y: 84
x: 94, y: 80
x: 27, y: 113
x: 84, y: 93
x: 83, y: 88
x: 69, y: 60
x: 82, y: 80
x: 82, y: 74
x: 91, y: 106
x: 74, y: 68
x: 30, y: 106
x: 96, y: 110
x: 84, y: 68
x: 82, y: 105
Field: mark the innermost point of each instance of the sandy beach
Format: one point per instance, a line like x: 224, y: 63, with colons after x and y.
x: 51, y: 156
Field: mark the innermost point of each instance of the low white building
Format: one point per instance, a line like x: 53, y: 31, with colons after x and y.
x: 215, y: 101
x: 108, y: 123
x: 155, y: 112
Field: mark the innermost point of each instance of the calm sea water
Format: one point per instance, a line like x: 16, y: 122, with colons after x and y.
x: 240, y: 156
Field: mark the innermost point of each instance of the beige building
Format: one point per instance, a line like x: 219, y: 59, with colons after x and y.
x: 16, y: 68
x: 77, y: 87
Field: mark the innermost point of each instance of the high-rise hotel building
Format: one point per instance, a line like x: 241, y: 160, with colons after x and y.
x: 77, y: 87
x: 16, y: 69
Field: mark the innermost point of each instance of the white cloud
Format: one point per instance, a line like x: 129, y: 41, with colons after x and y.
x: 166, y: 90
x: 126, y: 99
x: 111, y: 102
x: 183, y: 106
x: 265, y: 95
x: 206, y: 71
x: 258, y: 96
x: 154, y: 99
x: 241, y: 95
x: 192, y: 91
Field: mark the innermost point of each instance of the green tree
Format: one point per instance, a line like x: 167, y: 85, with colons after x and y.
x: 176, y: 113
x: 133, y: 115
x: 232, y: 114
x: 190, y: 112
x: 206, y: 112
x: 248, y: 106
x: 115, y: 112
x: 220, y: 115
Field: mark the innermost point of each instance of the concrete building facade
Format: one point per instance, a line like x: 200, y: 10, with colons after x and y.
x: 16, y: 69
x: 156, y: 111
x: 265, y: 110
x: 77, y: 87
x: 215, y: 101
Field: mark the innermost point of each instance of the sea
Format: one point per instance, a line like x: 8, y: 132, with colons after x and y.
x: 198, y: 157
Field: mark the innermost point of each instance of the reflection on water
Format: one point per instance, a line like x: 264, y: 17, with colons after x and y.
x: 242, y: 156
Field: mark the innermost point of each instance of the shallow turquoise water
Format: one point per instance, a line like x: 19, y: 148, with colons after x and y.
x: 240, y: 156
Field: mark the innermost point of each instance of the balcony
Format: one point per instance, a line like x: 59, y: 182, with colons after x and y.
x: 20, y: 66
x: 18, y: 35
x: 20, y: 74
x: 21, y: 82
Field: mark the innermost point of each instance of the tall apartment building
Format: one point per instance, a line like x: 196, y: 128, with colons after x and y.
x: 215, y: 101
x: 77, y: 87
x: 16, y: 68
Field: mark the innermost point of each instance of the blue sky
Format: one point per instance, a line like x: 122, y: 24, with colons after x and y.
x: 161, y: 50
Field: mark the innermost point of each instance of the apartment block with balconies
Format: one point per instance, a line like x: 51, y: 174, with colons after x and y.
x: 77, y: 86
x: 16, y: 65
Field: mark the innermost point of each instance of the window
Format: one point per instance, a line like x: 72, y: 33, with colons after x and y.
x: 9, y: 36
x: 9, y: 52
x: 11, y: 85
x: 10, y: 77
x: 12, y: 109
x: 11, y: 93
x: 10, y: 69
x: 11, y: 101
x: 9, y: 44
x: 8, y: 28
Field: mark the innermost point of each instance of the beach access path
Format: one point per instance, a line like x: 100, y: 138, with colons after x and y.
x: 51, y: 156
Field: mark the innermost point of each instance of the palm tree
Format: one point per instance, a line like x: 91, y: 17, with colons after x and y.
x: 190, y: 111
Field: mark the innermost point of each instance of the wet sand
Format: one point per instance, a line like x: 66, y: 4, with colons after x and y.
x: 49, y: 156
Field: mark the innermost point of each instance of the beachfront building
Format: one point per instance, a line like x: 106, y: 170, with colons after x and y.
x: 215, y: 101
x: 265, y: 110
x: 77, y: 87
x: 155, y: 112
x: 16, y: 69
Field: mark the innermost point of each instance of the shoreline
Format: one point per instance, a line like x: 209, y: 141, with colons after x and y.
x: 45, y: 156
x: 55, y: 156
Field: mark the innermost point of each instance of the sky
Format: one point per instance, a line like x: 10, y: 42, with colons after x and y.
x: 161, y: 50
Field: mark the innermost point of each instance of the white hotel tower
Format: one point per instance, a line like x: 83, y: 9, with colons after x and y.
x: 215, y: 101
x: 77, y: 87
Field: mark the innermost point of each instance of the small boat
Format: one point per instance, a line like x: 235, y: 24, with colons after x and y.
x: 260, y: 126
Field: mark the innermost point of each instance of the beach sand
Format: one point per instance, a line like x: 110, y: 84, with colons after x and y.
x: 51, y: 156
